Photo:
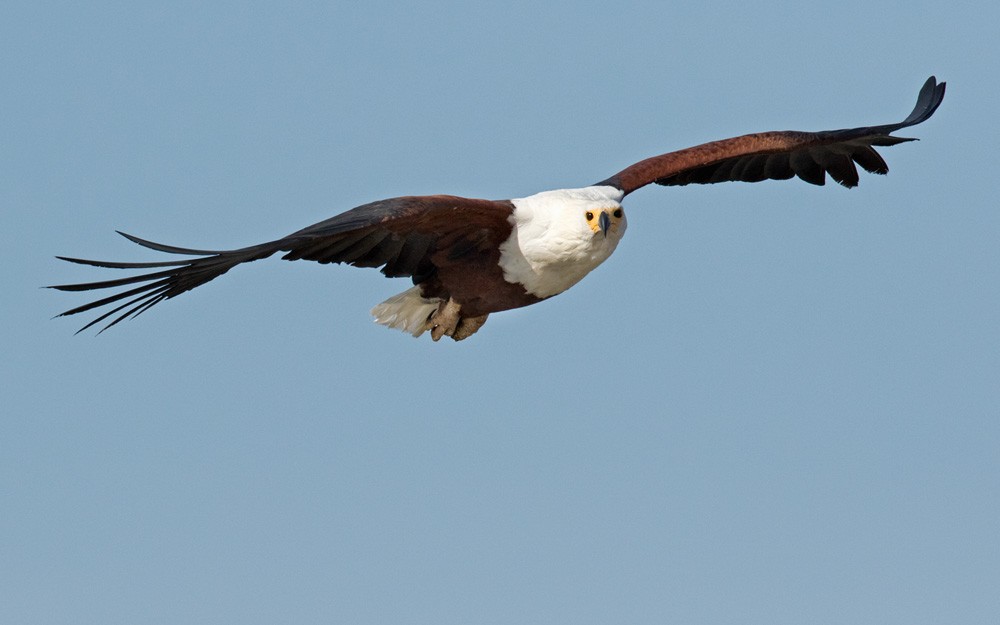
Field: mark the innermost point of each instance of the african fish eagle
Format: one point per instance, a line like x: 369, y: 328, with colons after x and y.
x: 468, y: 258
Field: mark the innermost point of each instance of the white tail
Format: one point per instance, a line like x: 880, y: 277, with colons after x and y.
x: 407, y: 311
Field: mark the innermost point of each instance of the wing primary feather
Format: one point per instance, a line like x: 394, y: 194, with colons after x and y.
x: 751, y: 169
x: 778, y: 167
x: 115, y: 265
x: 170, y: 249
x: 153, y: 296
x: 360, y: 247
x: 840, y: 167
x: 410, y: 258
x: 140, y: 305
x: 106, y: 284
x: 305, y: 251
x: 870, y: 160
x: 806, y: 168
x: 721, y: 172
x: 928, y: 100
x: 110, y: 299
x: 177, y: 278
x: 381, y: 254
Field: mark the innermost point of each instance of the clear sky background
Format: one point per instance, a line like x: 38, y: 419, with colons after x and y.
x: 776, y: 403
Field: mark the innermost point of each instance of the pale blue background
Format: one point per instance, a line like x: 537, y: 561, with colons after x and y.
x: 776, y: 404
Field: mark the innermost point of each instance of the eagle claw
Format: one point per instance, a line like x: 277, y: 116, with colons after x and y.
x: 447, y: 321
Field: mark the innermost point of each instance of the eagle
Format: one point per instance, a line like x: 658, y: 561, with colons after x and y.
x: 468, y: 258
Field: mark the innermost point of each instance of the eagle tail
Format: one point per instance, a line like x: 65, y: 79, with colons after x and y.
x: 172, y: 278
x: 408, y: 311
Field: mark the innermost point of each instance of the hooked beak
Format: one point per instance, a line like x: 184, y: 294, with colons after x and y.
x: 604, y: 222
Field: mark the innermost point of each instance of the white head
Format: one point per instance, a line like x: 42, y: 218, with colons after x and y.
x: 588, y: 214
x: 561, y: 235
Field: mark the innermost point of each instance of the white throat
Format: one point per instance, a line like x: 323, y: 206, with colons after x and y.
x: 551, y: 247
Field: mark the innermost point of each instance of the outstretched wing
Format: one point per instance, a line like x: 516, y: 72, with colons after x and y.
x: 780, y: 155
x: 406, y: 236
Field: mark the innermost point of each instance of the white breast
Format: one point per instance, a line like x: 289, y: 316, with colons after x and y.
x: 551, y: 247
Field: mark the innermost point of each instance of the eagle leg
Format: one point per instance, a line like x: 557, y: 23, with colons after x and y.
x: 447, y: 320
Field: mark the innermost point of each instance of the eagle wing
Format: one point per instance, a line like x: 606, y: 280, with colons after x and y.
x: 780, y: 155
x: 413, y: 236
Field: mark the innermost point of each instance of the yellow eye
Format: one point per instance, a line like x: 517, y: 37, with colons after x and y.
x: 618, y: 213
x: 590, y: 216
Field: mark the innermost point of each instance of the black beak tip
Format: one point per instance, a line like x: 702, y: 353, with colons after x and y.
x: 605, y: 222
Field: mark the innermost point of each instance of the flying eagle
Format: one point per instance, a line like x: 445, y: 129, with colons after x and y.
x: 468, y: 258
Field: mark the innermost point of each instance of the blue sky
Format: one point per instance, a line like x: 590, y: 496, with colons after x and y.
x: 776, y: 403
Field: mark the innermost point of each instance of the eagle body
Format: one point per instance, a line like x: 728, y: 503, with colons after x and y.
x: 551, y: 247
x: 468, y: 258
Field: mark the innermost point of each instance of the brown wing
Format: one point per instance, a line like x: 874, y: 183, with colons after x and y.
x: 406, y: 236
x: 402, y: 234
x: 780, y: 155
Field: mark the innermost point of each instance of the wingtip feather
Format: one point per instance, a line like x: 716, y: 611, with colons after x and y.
x: 170, y: 249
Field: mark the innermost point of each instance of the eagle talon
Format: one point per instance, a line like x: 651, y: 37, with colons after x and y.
x: 445, y: 319
x: 448, y: 321
x: 468, y: 326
